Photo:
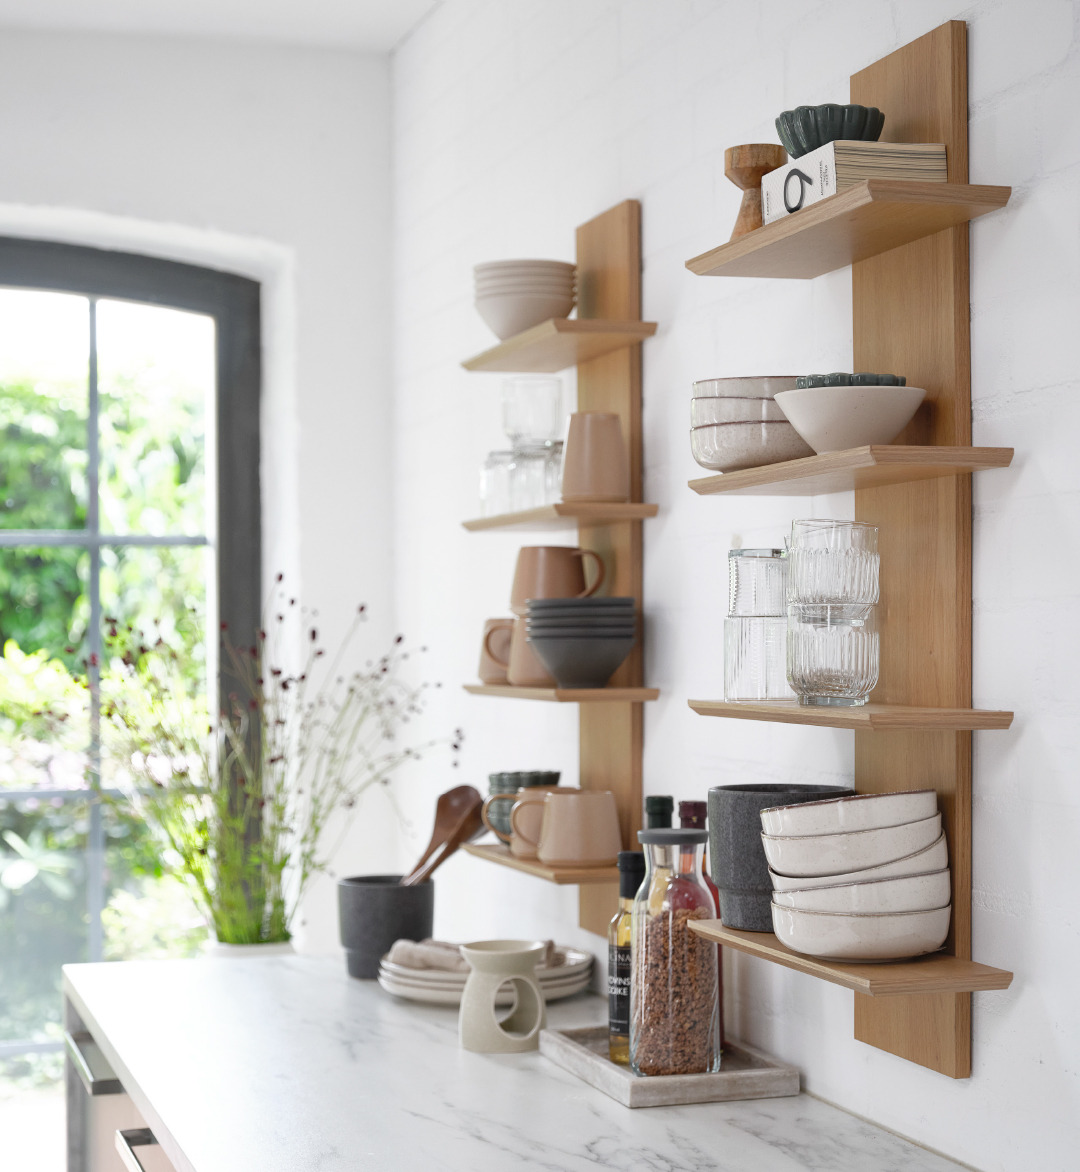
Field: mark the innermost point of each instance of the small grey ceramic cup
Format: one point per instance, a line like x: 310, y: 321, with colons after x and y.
x: 374, y: 911
x: 736, y: 856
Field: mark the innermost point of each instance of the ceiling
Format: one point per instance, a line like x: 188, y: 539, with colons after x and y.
x: 369, y: 25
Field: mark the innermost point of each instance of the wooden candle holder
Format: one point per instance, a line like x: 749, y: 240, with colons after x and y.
x: 744, y: 166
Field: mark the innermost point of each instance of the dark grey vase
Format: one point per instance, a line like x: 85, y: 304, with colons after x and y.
x: 374, y: 911
x: 736, y: 856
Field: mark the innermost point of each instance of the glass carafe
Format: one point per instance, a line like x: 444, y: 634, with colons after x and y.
x: 674, y: 1006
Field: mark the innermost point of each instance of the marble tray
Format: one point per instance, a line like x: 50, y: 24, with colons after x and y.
x: 745, y: 1073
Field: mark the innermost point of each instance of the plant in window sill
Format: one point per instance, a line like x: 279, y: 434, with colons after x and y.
x: 244, y: 801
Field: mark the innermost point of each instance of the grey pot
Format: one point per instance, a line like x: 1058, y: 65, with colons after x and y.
x: 374, y: 911
x: 736, y: 856
x: 581, y: 662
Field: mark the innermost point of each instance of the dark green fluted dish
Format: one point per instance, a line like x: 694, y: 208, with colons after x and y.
x: 807, y: 127
x: 803, y: 381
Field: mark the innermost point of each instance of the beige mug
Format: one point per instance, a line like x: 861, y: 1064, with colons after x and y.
x: 552, y: 571
x: 525, y: 669
x: 595, y: 463
x: 495, y: 651
x: 579, y: 828
x: 528, y: 809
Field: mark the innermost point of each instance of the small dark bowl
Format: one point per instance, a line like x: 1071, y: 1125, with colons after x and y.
x: 552, y: 605
x: 581, y: 663
x: 862, y: 379
x: 807, y: 127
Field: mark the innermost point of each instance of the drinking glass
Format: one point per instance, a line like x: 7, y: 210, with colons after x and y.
x: 832, y: 653
x: 528, y: 476
x: 532, y: 410
x: 553, y: 473
x: 755, y: 658
x: 757, y: 582
x: 495, y: 484
x: 833, y: 562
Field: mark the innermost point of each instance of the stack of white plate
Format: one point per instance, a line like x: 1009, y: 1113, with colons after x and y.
x: 513, y: 295
x: 859, y: 878
x: 439, y: 987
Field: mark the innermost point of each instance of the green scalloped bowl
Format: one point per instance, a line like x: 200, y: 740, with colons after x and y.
x: 807, y: 127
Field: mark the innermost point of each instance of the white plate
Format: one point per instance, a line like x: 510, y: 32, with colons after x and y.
x: 577, y: 963
x: 453, y: 996
x: 569, y: 979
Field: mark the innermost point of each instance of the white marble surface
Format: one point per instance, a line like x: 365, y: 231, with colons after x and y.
x: 287, y: 1065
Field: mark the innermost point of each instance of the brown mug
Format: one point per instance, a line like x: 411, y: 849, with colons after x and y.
x: 525, y: 669
x: 528, y: 809
x: 579, y: 828
x: 495, y: 651
x: 595, y: 463
x: 552, y: 571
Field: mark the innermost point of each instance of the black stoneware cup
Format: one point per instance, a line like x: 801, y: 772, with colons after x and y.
x: 374, y: 911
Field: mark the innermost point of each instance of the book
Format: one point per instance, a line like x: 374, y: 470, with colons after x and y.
x: 836, y: 166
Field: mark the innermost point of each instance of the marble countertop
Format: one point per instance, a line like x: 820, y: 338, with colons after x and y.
x: 288, y: 1065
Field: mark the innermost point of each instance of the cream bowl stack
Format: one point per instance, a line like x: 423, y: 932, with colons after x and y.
x: 514, y: 295
x: 863, y: 877
x: 736, y: 423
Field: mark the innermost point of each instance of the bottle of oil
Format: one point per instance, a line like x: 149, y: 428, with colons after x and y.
x: 631, y: 874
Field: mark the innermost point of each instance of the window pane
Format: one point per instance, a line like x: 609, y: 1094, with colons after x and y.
x: 43, y: 920
x: 44, y: 355
x: 156, y: 385
x: 43, y: 601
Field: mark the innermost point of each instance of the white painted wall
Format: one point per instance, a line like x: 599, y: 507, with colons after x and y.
x: 513, y: 123
x: 272, y: 162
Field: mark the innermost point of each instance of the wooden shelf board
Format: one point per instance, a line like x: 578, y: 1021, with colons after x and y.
x: 868, y: 219
x: 565, y: 695
x: 868, y: 467
x: 559, y: 343
x: 868, y: 718
x: 937, y: 973
x: 564, y: 515
x: 562, y: 875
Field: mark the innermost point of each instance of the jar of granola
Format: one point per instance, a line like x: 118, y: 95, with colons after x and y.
x: 674, y: 1005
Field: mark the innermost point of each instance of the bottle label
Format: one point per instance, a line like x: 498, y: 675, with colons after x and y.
x: 619, y: 989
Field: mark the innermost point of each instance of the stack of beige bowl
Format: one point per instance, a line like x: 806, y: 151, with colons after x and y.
x: 514, y: 295
x: 864, y: 877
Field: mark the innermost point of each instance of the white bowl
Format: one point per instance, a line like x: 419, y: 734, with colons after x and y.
x: 835, y: 854
x: 834, y: 936
x: 743, y: 388
x: 908, y: 893
x: 932, y: 858
x: 510, y: 313
x: 855, y: 812
x: 832, y: 419
x: 716, y: 410
x: 727, y: 447
x: 534, y: 266
x: 525, y: 285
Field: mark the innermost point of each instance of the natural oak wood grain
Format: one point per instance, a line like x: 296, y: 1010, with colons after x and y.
x: 869, y: 718
x: 608, y: 695
x: 869, y: 467
x: 564, y: 515
x: 744, y: 166
x: 937, y: 973
x: 870, y: 218
x: 561, y: 342
x: 563, y: 875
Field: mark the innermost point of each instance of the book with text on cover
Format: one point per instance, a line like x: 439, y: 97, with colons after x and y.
x: 836, y: 166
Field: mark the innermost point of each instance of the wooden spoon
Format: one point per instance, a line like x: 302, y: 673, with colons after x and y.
x: 448, y: 812
x: 469, y: 826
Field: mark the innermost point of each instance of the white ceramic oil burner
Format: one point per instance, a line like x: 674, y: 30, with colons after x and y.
x: 492, y: 964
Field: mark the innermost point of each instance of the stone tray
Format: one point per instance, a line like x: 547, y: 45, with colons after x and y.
x: 745, y: 1073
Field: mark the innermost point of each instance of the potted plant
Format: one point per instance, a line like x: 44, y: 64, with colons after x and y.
x: 243, y: 797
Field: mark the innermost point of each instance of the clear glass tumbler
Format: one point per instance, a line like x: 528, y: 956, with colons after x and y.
x: 832, y: 653
x: 553, y: 473
x: 755, y: 658
x: 757, y: 582
x: 495, y: 484
x: 532, y: 410
x: 528, y: 479
x: 833, y: 562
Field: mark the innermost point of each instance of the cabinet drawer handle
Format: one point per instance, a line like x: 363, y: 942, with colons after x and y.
x: 128, y: 1141
x: 91, y: 1065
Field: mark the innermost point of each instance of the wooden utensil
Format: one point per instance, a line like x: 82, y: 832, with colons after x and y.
x: 449, y: 810
x: 470, y: 825
x: 744, y: 166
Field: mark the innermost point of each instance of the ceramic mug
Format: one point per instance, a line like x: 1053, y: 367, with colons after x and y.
x: 525, y: 669
x: 579, y: 828
x: 595, y: 463
x: 552, y: 571
x: 528, y: 809
x: 495, y: 651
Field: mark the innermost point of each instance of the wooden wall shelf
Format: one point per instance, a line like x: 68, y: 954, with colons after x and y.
x: 868, y: 718
x: 562, y: 875
x: 609, y: 695
x: 937, y: 973
x: 869, y: 467
x: 868, y: 219
x: 561, y: 342
x: 564, y: 515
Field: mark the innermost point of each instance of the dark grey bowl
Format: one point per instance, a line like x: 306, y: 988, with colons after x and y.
x: 736, y: 856
x: 581, y: 663
x: 807, y: 127
x: 374, y: 911
x: 862, y: 379
x: 594, y: 622
x: 545, y: 604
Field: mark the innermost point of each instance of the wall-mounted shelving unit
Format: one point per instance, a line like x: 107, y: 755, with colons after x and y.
x: 604, y: 342
x: 908, y: 248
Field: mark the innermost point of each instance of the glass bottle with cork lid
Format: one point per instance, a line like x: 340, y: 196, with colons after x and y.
x: 674, y: 990
x: 631, y: 874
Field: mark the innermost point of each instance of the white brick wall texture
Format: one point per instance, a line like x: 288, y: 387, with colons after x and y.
x: 513, y: 123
